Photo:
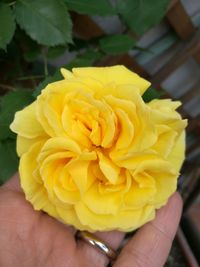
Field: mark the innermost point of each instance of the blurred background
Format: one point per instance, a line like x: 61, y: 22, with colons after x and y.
x: 158, y: 39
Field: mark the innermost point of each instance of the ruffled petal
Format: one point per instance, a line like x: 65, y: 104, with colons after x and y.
x: 116, y: 74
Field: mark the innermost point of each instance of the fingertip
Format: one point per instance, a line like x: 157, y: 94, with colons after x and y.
x: 177, y: 199
x: 176, y: 203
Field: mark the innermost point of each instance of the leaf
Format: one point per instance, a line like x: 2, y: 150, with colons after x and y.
x: 116, y: 44
x: 141, y: 15
x: 7, y: 25
x: 9, y: 160
x: 45, y: 21
x: 151, y: 94
x: 32, y: 55
x: 91, y: 7
x: 10, y: 103
x: 57, y: 51
x: 86, y: 59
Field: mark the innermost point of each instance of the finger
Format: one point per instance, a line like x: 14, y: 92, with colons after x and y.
x: 150, y: 246
x: 94, y: 257
x: 13, y: 183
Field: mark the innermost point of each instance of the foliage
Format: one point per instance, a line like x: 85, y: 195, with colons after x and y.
x: 141, y: 15
x: 116, y: 44
x: 6, y: 18
x: 33, y: 33
x: 48, y: 26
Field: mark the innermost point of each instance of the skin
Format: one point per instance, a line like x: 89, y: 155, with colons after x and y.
x: 33, y: 239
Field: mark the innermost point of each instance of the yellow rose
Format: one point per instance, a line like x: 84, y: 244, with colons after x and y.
x: 94, y: 155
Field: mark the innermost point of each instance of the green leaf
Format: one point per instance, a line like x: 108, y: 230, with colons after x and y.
x: 7, y: 25
x: 91, y: 7
x: 151, y: 94
x: 45, y: 21
x: 57, y: 51
x: 32, y: 55
x: 86, y: 59
x: 10, y: 103
x: 141, y: 15
x: 116, y: 44
x: 9, y: 160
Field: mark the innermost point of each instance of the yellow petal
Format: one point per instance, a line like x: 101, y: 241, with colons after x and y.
x: 116, y: 74
x: 69, y: 216
x: 126, y: 130
x: 177, y: 155
x: 125, y: 220
x: 108, y: 168
x: 78, y: 169
x: 66, y: 73
x: 24, y: 144
x: 26, y: 124
x: 108, y: 203
x: 138, y: 197
x: 34, y: 191
x: 165, y: 143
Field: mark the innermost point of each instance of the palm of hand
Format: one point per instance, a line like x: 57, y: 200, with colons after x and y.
x: 33, y: 239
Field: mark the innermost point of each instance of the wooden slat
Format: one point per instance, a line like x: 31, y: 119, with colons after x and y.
x: 193, y: 92
x: 180, y: 20
x: 197, y: 56
x: 191, y: 260
x: 194, y: 125
x: 186, y: 50
x: 193, y: 147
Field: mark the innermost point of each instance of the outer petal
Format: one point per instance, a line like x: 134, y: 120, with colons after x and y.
x: 116, y: 74
x: 126, y: 220
x: 34, y: 190
x: 24, y: 144
x: 26, y: 124
x: 177, y: 155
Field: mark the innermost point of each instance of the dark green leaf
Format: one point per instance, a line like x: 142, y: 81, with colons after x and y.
x: 8, y: 161
x: 151, y: 94
x: 46, y: 21
x: 9, y: 104
x: 141, y: 15
x: 91, y: 7
x: 116, y: 44
x: 79, y: 44
x: 85, y: 60
x: 7, y: 25
x: 31, y: 55
x: 57, y: 51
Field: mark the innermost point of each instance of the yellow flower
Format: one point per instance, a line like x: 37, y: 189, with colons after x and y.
x: 94, y: 155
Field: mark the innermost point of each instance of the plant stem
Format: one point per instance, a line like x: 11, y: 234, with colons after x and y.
x: 46, y: 72
x: 12, y: 3
x: 30, y: 77
x: 5, y: 86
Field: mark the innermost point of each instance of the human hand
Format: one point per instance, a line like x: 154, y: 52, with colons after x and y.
x: 30, y: 238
